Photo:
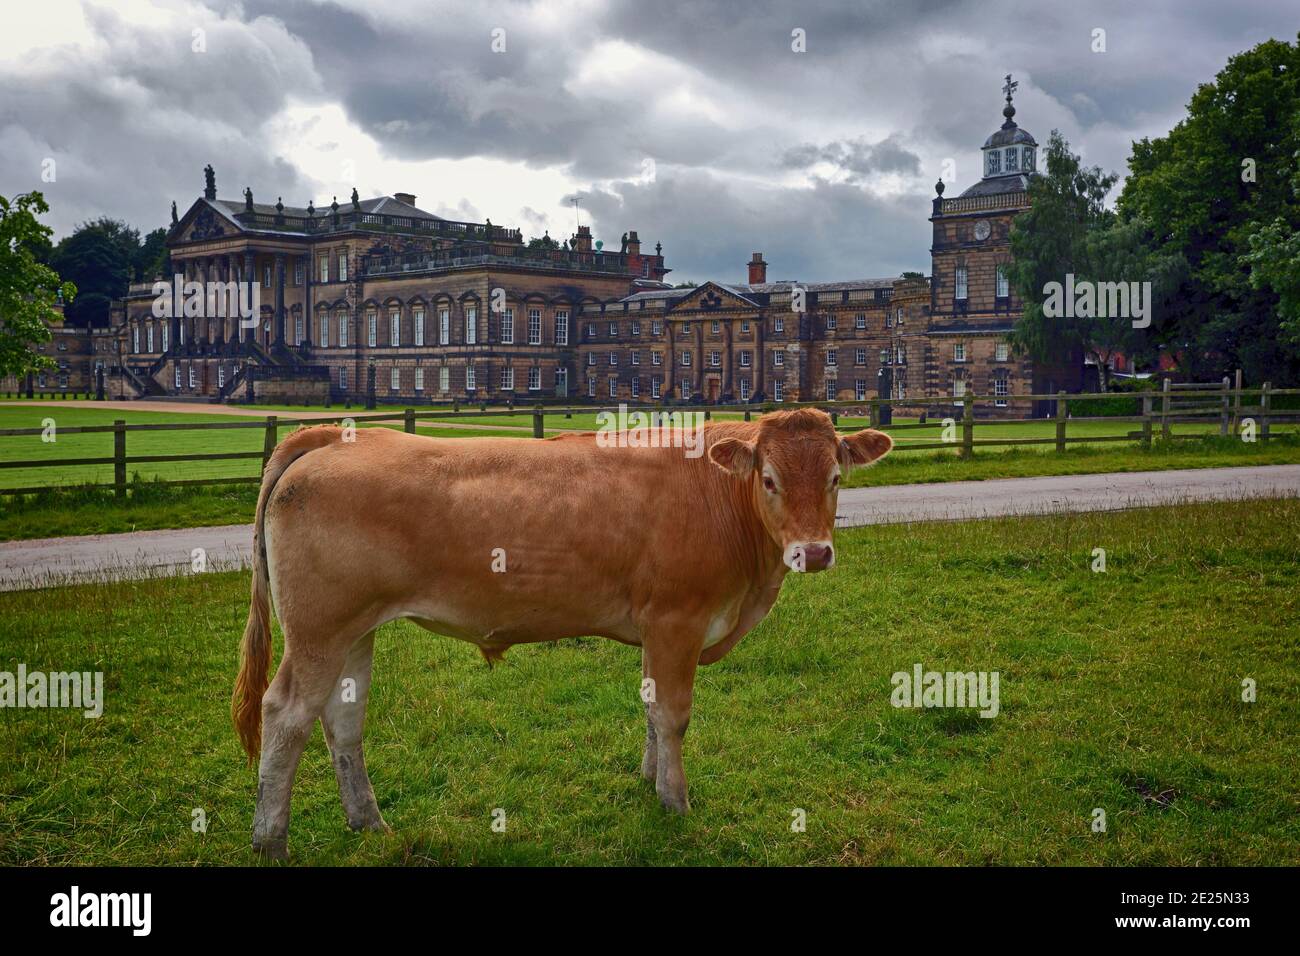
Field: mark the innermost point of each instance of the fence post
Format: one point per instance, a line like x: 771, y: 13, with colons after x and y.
x: 968, y: 429
x: 1264, y: 402
x: 119, y: 458
x: 835, y: 416
x: 1146, y: 422
x: 538, y: 420
x: 1223, y: 410
x: 410, y: 421
x: 1164, y: 413
x: 873, y: 414
x: 1061, y: 408
x: 747, y: 414
x: 269, y: 440
x: 1236, y: 404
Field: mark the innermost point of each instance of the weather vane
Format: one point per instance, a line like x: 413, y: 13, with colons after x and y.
x: 1010, y: 87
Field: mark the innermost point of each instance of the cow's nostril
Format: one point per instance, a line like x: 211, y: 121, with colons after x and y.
x: 817, y: 556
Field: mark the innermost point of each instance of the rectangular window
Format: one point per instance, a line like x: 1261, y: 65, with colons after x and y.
x: 1000, y: 351
x: 323, y: 335
x: 830, y: 390
x: 444, y: 326
x: 591, y: 358
x: 636, y: 357
x: 832, y: 356
x: 613, y: 330
x: 778, y: 358
x: 686, y: 359
x: 534, y: 378
x: 1013, y: 159
x: 591, y: 331
x: 395, y: 378
x: 961, y: 282
x: 656, y: 383
x: 394, y: 328
x: 746, y: 358
x: 178, y: 376
x: 744, y: 326
x: 959, y: 389
x: 744, y: 389
x: 860, y: 321
x: 656, y: 327
x: 266, y: 277
x: 534, y: 326
x: 993, y: 162
x: 1004, y: 286
x: 343, y: 267
x: 471, y: 325
x: 830, y: 321
x: 444, y: 379
x: 507, y: 379
x: 1001, y: 389
x: 297, y: 330
x: 959, y: 352
x: 685, y: 388
x: 613, y: 358
x: 323, y: 262
x: 715, y: 358
x: 898, y: 318
x: 166, y: 335
x: 656, y: 358
x: 591, y: 386
x: 297, y: 271
x: 135, y: 338
x: 859, y: 356
x: 778, y: 324
x: 191, y: 376
x: 562, y: 327
x: 343, y: 331
x: 471, y: 380
x: 636, y: 386
x: 508, y: 327
x: 149, y: 336
x: 900, y: 354
x: 372, y: 327
x: 419, y: 380
x: 636, y: 328
x: 561, y: 381
x: 778, y: 391
x: 859, y: 390
x: 715, y: 327
x: 343, y: 377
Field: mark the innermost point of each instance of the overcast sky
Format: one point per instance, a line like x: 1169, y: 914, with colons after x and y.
x: 695, y: 123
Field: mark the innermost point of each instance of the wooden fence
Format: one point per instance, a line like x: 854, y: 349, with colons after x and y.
x: 1223, y: 404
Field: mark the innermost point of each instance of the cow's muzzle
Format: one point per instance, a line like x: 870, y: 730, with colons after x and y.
x: 810, y: 556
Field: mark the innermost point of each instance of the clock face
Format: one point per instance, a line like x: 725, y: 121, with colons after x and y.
x: 982, y: 230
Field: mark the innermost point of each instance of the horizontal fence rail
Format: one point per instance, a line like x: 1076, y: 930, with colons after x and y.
x: 1221, y: 405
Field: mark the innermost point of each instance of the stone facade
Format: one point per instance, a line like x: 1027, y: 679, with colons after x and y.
x: 448, y: 311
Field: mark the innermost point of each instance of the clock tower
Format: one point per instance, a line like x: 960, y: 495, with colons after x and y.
x: 972, y: 306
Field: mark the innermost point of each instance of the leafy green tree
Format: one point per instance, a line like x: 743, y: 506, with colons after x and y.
x: 152, y: 259
x: 29, y: 289
x: 1274, y: 262
x: 1218, y: 179
x: 98, y: 259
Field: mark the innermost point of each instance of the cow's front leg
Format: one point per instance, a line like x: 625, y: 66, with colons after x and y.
x: 670, y: 663
x: 650, y: 759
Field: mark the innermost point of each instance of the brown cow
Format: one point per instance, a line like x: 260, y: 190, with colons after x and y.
x: 509, y: 541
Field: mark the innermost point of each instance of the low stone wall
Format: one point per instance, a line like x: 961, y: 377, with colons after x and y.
x: 283, y: 389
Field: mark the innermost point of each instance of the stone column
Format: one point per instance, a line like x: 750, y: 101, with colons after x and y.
x: 277, y: 327
x: 250, y: 275
x: 307, y: 314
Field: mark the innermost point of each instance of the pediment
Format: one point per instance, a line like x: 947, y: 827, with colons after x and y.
x: 712, y: 297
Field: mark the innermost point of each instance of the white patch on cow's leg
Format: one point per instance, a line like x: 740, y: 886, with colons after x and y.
x: 650, y: 759
x: 671, y: 665
x: 286, y: 727
x: 343, y: 721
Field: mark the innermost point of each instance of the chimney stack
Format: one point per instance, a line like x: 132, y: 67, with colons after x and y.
x: 757, y: 270
x: 408, y: 198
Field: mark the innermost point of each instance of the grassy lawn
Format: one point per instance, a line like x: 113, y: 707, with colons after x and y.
x: 1119, y: 690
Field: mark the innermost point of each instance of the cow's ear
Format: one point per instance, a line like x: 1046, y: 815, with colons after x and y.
x: 864, y: 447
x: 733, y: 455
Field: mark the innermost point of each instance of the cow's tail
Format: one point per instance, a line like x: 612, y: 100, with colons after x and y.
x: 255, y: 650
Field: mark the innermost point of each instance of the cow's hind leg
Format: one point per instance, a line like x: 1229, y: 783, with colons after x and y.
x: 344, y: 722
x: 292, y: 703
x: 672, y: 657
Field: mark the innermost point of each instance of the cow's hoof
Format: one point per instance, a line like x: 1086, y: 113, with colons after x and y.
x: 370, y: 825
x: 649, y: 769
x: 272, y: 849
x: 676, y: 803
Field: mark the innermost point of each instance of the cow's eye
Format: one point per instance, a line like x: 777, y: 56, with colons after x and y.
x: 769, y: 484
x: 835, y: 482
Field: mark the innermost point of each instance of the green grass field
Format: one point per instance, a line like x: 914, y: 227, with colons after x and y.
x: 1119, y: 691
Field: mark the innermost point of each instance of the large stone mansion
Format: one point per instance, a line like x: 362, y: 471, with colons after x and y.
x: 379, y: 296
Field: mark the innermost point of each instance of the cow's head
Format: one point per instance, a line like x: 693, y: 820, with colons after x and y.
x: 794, y: 469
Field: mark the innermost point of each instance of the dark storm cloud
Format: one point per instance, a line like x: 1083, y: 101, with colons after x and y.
x: 737, y: 123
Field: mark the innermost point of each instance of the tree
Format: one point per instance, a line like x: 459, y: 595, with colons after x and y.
x: 152, y: 259
x: 1274, y: 262
x: 97, y: 257
x: 1218, y: 179
x: 28, y: 288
